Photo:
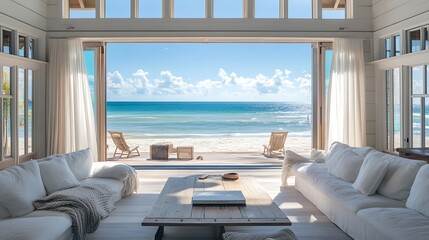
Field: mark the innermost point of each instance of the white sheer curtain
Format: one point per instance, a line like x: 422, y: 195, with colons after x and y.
x: 70, y: 117
x: 346, y: 96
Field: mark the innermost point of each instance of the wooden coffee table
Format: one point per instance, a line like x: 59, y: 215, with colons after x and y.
x: 174, y: 206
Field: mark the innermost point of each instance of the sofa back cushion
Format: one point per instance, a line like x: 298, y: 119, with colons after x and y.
x: 56, y: 175
x: 20, y: 186
x: 419, y: 194
x: 399, y: 177
x: 370, y: 174
x: 345, y: 165
x: 80, y: 163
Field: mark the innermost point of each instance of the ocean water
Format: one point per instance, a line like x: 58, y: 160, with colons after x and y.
x: 208, y: 119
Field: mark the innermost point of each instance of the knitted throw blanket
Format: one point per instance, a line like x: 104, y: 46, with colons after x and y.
x: 86, y: 205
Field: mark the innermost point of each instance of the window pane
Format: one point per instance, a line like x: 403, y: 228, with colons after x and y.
x: 388, y: 110
x: 86, y: 10
x: 30, y: 48
x: 397, y: 40
x: 228, y: 8
x: 21, y: 112
x: 6, y: 80
x: 414, y: 41
x: 267, y: 8
x: 30, y: 112
x: 417, y: 130
x: 334, y: 9
x: 387, y: 47
x: 189, y: 9
x: 396, y: 108
x: 21, y: 47
x: 7, y: 42
x: 7, y: 129
x: 150, y: 8
x: 90, y: 71
x: 118, y: 9
x: 89, y: 13
x: 300, y: 9
x: 417, y: 80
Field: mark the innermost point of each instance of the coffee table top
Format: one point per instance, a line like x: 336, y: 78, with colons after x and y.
x: 174, y: 205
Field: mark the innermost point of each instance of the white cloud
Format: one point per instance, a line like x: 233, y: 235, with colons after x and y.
x: 141, y: 86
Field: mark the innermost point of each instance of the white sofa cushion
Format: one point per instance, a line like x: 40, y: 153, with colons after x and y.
x: 56, y: 175
x: 346, y: 165
x: 20, y: 186
x: 333, y: 150
x: 38, y: 225
x: 399, y: 177
x: 370, y: 174
x: 419, y: 194
x: 3, y: 212
x: 394, y: 223
x: 80, y: 163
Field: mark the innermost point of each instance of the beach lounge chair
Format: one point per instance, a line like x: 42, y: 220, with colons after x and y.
x: 277, y: 143
x: 119, y: 140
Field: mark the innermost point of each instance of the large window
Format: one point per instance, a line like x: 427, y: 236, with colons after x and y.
x: 25, y: 113
x: 393, y: 107
x: 6, y: 113
x: 419, y: 107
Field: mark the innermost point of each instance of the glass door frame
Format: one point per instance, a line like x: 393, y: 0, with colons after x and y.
x: 319, y: 91
x: 100, y: 95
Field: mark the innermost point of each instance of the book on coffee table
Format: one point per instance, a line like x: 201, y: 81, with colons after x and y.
x: 218, y: 198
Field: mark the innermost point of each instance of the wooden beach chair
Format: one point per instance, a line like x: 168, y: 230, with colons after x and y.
x: 277, y: 143
x: 121, y: 144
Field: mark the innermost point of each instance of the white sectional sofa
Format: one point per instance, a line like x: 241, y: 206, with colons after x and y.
x: 375, y: 203
x: 22, y: 184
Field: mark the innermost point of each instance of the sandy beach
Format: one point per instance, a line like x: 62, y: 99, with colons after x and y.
x: 245, y: 144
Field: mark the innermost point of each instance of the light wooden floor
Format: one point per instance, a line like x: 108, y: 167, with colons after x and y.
x: 125, y: 221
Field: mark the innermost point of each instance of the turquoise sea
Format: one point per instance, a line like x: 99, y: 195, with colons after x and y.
x: 208, y: 119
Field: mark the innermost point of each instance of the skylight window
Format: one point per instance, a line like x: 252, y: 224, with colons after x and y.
x: 228, y: 8
x: 82, y: 9
x: 300, y: 9
x: 150, y: 8
x: 118, y: 8
x: 267, y: 8
x: 334, y: 9
x: 189, y: 8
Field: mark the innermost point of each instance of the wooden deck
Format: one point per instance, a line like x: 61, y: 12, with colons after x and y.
x: 125, y: 221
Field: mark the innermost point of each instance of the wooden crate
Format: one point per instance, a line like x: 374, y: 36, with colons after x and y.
x: 185, y: 153
x: 159, y: 152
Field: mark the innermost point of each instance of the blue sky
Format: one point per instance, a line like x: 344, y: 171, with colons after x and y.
x: 208, y: 72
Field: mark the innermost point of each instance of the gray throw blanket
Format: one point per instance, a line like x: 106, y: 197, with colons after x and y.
x: 86, y: 205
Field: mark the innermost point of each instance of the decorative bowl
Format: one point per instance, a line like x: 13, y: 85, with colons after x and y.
x: 230, y: 176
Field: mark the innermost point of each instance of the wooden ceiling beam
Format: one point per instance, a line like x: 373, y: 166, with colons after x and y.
x: 82, y: 5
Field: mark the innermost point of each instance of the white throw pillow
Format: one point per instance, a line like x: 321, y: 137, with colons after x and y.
x: 346, y: 165
x: 292, y: 157
x: 118, y: 171
x: 399, y: 177
x: 56, y: 175
x: 419, y: 194
x: 333, y: 151
x: 80, y: 163
x: 370, y: 174
x: 20, y: 186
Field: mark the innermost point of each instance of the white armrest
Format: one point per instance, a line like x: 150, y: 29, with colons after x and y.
x: 119, y: 171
